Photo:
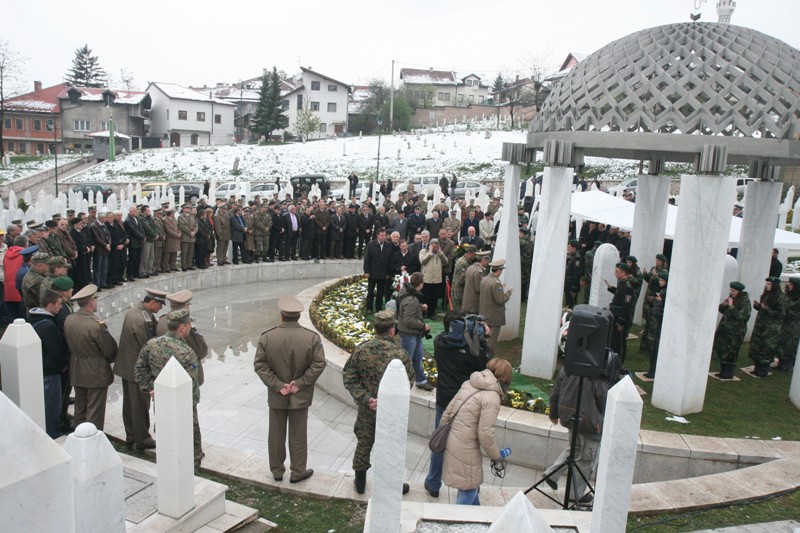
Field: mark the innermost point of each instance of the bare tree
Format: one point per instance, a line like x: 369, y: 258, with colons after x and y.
x: 126, y: 79
x: 515, y: 95
x: 11, y: 63
x: 539, y: 66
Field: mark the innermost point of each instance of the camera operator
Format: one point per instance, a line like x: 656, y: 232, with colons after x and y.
x: 459, y: 350
x: 563, y: 403
x: 411, y: 325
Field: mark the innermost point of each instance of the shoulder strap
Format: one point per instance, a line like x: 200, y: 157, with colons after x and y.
x: 462, y: 405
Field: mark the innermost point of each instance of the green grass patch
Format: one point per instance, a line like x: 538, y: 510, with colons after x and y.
x: 148, y: 173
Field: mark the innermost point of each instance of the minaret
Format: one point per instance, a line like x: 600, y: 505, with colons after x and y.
x: 725, y: 10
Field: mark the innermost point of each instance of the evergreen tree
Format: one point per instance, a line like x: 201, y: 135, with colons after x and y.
x: 499, y: 84
x: 269, y: 113
x: 86, y: 70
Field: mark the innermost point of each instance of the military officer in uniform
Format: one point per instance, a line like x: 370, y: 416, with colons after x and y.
x: 493, y: 300
x: 621, y: 307
x: 158, y: 244
x: 177, y: 301
x: 362, y: 375
x: 187, y: 225
x: 289, y: 360
x: 472, y: 282
x: 766, y: 342
x: 158, y: 351
x: 262, y: 225
x: 138, y: 327
x: 222, y: 228
x: 731, y: 330
x: 93, y: 350
x: 459, y: 275
x: 172, y: 245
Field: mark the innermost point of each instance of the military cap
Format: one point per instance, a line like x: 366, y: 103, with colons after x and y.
x: 85, y: 294
x: 32, y: 224
x: 663, y: 275
x: 624, y: 267
x: 598, y: 243
x: 187, y: 205
x: 70, y: 212
x: 63, y: 283
x: 155, y: 294
x: 470, y: 248
x: 483, y: 253
x: 180, y: 316
x: 57, y: 261
x: 661, y: 257
x: 352, y: 206
x: 56, y: 216
x: 773, y: 279
x: 40, y: 257
x: 158, y: 211
x: 573, y: 243
x: 290, y: 306
x: 169, y: 210
x: 632, y: 259
x: 92, y: 208
x: 17, y: 222
x: 737, y: 285
x: 181, y: 297
x: 498, y: 264
x: 164, y: 204
x: 30, y: 250
x: 51, y: 224
x: 385, y: 318
x: 795, y: 282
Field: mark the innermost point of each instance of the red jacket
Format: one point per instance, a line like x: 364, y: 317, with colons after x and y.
x: 11, y: 263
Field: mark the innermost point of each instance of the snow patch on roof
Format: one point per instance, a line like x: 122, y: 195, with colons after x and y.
x: 31, y: 105
x: 180, y: 92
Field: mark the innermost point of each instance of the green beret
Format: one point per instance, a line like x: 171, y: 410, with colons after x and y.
x: 573, y: 243
x: 63, y: 283
x: 661, y: 257
x: 737, y: 285
x: 773, y: 279
x: 179, y: 317
x: 795, y: 282
x: 598, y: 243
x: 632, y: 259
x: 624, y: 267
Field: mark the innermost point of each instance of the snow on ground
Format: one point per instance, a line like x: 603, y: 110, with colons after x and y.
x: 32, y: 166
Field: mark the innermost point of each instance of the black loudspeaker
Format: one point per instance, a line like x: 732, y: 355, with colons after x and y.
x: 588, y: 338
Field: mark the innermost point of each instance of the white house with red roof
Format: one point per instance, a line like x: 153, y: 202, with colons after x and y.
x: 327, y: 97
x: 186, y: 117
x: 445, y: 87
x: 31, y: 121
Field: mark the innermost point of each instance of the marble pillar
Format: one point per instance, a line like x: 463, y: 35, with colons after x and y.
x: 389, y: 452
x: 35, y: 476
x: 545, y: 296
x: 757, y: 238
x: 21, y: 364
x: 606, y: 258
x: 507, y: 247
x: 519, y: 514
x: 617, y: 458
x: 698, y: 257
x: 97, y: 481
x: 794, y: 390
x: 649, y: 223
x: 175, y: 456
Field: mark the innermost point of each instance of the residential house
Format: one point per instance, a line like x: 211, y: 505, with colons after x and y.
x: 186, y: 117
x: 88, y: 110
x: 327, y: 97
x: 570, y: 62
x: 434, y: 88
x: 31, y: 121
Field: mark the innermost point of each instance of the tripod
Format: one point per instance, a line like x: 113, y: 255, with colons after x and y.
x: 570, y: 464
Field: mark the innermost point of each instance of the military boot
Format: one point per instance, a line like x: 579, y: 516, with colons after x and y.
x: 761, y: 370
x: 727, y: 370
x: 361, y: 481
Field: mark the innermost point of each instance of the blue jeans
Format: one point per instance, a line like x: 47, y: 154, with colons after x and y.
x: 52, y: 405
x: 468, y: 497
x: 412, y: 344
x: 434, y: 478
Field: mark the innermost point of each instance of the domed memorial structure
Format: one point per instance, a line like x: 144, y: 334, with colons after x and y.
x: 703, y: 93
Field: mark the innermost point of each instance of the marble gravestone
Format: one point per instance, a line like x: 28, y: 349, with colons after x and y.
x: 794, y: 390
x: 21, y: 364
x: 507, y: 247
x: 389, y: 452
x: 605, y: 262
x: 521, y: 516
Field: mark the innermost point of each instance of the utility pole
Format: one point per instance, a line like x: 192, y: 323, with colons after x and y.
x: 391, y: 100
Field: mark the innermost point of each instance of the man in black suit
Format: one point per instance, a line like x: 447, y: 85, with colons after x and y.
x: 403, y: 261
x: 276, y: 232
x: 434, y: 224
x: 381, y: 219
x: 291, y: 223
x: 400, y: 225
x: 416, y: 222
x: 135, y: 237
x: 365, y: 226
x: 377, y: 258
x: 472, y: 238
x: 238, y: 236
x: 336, y: 234
x: 350, y: 231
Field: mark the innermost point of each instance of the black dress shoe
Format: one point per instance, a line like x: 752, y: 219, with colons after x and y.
x: 406, y: 488
x: 550, y: 483
x: 433, y: 493
x: 277, y: 478
x: 147, y: 445
x: 308, y: 474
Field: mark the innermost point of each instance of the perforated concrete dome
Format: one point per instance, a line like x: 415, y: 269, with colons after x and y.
x: 665, y: 92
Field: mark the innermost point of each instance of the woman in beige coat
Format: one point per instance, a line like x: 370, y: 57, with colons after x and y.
x: 473, y: 429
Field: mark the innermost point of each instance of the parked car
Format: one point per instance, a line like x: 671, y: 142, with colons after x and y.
x: 628, y: 185
x: 474, y: 187
x: 741, y: 184
x: 229, y: 189
x: 343, y: 193
x: 304, y: 182
x: 150, y: 188
x: 265, y: 189
x: 94, y: 188
x: 424, y: 183
x: 191, y: 191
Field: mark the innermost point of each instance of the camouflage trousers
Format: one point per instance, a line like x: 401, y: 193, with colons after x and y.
x: 262, y: 245
x: 365, y: 434
x: 648, y: 335
x: 457, y: 297
x: 198, y: 444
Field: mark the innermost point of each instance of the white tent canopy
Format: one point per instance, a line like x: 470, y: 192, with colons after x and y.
x: 608, y: 209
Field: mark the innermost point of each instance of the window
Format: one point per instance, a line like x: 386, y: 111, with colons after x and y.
x: 480, y: 99
x: 40, y: 148
x: 333, y: 88
x: 10, y: 146
x: 7, y: 124
x: 201, y: 117
x: 217, y: 119
x: 299, y: 102
x: 183, y: 115
x: 103, y: 125
x: 37, y: 125
x: 52, y: 148
x: 460, y: 97
x: 284, y: 105
x: 81, y: 125
x: 468, y: 83
x: 49, y: 124
x: 195, y: 138
x: 23, y: 148
x: 314, y: 106
x: 472, y: 98
x: 323, y: 127
x: 315, y: 86
x: 18, y: 124
x: 332, y: 107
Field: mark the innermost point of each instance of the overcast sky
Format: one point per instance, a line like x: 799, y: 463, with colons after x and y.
x: 203, y: 42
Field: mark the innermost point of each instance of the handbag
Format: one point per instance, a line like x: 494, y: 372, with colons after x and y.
x: 438, y: 441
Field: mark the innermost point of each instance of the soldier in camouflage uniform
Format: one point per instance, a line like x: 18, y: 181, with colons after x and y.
x: 262, y: 223
x: 146, y: 265
x: 51, y: 244
x: 58, y: 266
x: 651, y: 278
x: 32, y: 281
x: 177, y: 301
x: 765, y: 343
x: 525, y: 260
x: 463, y: 262
x: 155, y: 355
x: 730, y: 333
x: 790, y: 332
x: 637, y: 279
x: 588, y: 265
x: 362, y: 376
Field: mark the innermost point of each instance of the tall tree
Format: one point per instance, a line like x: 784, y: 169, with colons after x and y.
x: 539, y: 66
x: 269, y: 113
x: 515, y: 95
x: 378, y: 98
x: 10, y: 69
x: 307, y: 122
x: 86, y: 70
x: 498, y: 83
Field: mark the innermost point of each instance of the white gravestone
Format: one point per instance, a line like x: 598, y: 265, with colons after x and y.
x: 617, y: 458
x: 794, y: 390
x: 521, y: 516
x: 175, y: 457
x: 390, y: 450
x: 507, y: 247
x: 97, y: 481
x: 701, y: 239
x: 35, y: 476
x: 605, y: 262
x: 21, y: 363
x: 543, y: 316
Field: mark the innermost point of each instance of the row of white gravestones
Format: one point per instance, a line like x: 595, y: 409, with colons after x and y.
x: 614, y: 475
x: 80, y: 488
